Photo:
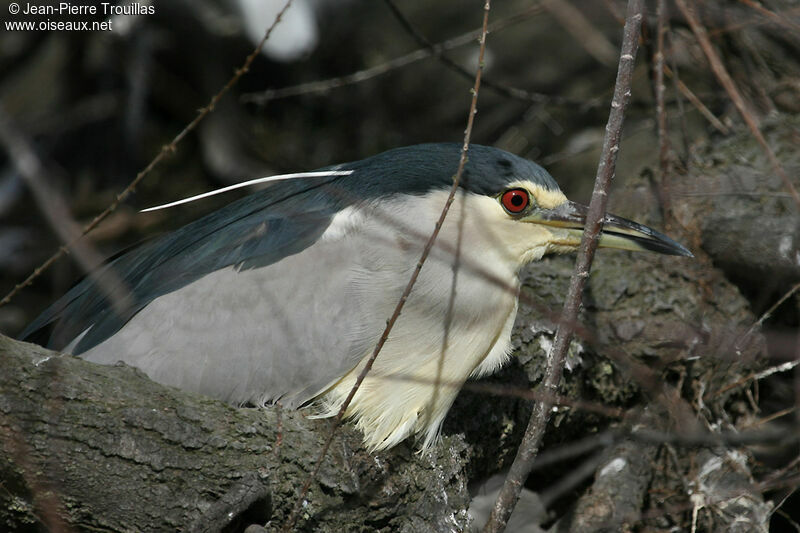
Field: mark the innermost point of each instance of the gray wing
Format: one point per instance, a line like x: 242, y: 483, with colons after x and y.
x: 281, y: 331
x: 257, y: 230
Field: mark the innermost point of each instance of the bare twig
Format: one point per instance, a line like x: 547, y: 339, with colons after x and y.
x: 575, y: 22
x: 664, y: 159
x: 409, y: 286
x: 777, y: 18
x: 774, y: 416
x: 429, y: 50
x: 571, y: 479
x: 744, y: 21
x: 322, y: 86
x: 783, y: 367
x: 448, y: 320
x: 797, y: 375
x: 782, y: 472
x: 730, y: 87
x: 757, y: 324
x: 697, y: 103
x: 490, y: 389
x: 505, y: 90
x: 166, y: 150
x: 55, y: 210
x: 605, y: 172
x: 614, y: 10
x: 677, y: 83
x: 708, y: 439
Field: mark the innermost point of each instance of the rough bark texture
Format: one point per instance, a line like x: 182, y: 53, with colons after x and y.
x: 745, y: 218
x: 106, y: 449
x: 616, y: 498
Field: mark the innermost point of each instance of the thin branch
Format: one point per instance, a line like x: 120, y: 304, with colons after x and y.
x: 730, y: 87
x: 664, y: 149
x: 411, y: 282
x: 437, y: 52
x: 55, y: 210
x: 529, y: 447
x: 745, y: 21
x: 797, y: 375
x: 323, y: 86
x: 677, y: 83
x: 708, y: 439
x: 448, y: 319
x: 755, y: 376
x: 765, y: 316
x: 697, y: 103
x: 165, y: 151
x: 779, y: 473
x: 571, y: 479
x: 428, y: 50
x: 774, y: 416
x: 584, y: 33
x: 503, y: 391
x: 778, y: 18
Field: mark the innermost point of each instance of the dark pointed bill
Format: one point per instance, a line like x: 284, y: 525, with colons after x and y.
x: 617, y: 232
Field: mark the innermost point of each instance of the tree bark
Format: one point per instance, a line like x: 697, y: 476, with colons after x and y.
x: 104, y: 448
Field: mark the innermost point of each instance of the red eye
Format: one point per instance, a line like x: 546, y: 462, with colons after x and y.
x: 515, y: 200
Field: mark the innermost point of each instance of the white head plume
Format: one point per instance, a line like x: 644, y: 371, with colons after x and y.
x: 279, y: 177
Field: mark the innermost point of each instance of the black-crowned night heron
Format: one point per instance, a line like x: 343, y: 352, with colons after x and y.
x: 282, y: 295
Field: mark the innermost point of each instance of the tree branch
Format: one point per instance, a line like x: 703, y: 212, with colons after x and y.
x: 605, y: 172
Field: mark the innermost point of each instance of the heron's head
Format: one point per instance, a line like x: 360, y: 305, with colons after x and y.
x: 513, y: 199
x: 534, y: 218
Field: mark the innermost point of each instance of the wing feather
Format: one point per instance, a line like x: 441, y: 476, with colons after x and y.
x: 255, y: 231
x: 282, y: 331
